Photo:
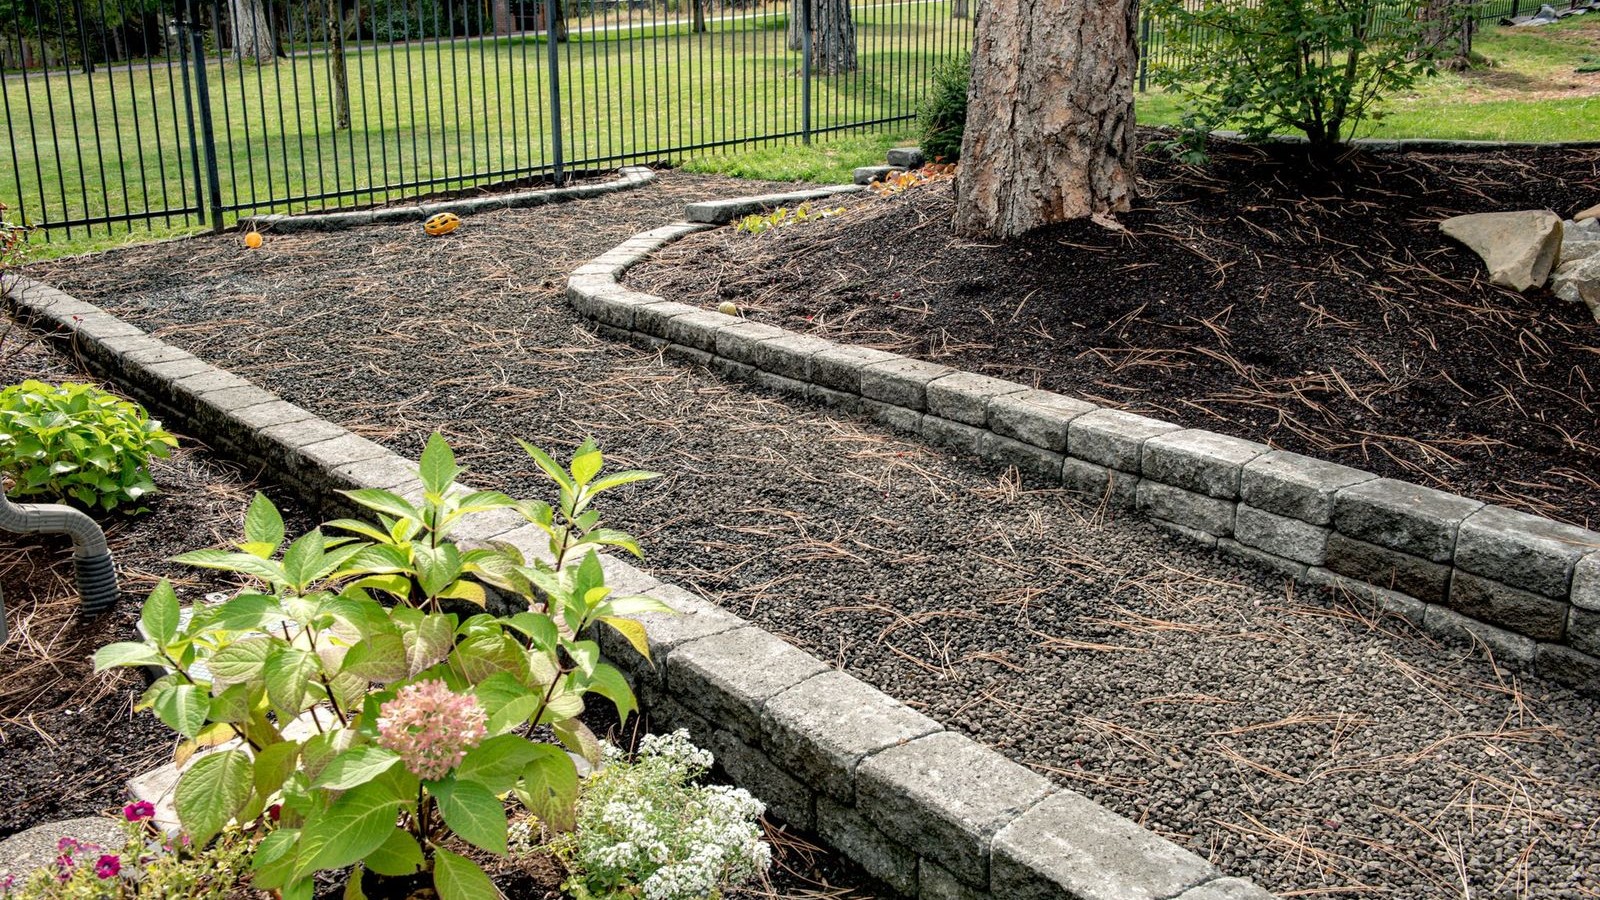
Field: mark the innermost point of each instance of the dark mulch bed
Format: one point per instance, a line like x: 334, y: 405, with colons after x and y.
x: 1316, y: 749
x: 1259, y: 296
x: 69, y: 739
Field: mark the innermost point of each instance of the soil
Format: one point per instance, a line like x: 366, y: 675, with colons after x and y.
x: 1317, y: 309
x: 69, y: 739
x: 1292, y: 738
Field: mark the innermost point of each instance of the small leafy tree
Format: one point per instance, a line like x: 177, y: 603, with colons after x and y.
x: 942, y: 119
x: 1319, y: 67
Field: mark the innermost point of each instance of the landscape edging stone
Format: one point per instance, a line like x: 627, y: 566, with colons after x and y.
x: 1347, y: 529
x: 797, y: 763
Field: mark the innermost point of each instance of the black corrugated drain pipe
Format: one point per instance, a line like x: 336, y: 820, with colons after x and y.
x: 95, y: 574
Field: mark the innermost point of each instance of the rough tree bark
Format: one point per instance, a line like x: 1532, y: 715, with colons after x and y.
x: 699, y: 26
x: 797, y: 13
x: 961, y: 9
x: 252, y: 31
x: 340, y: 77
x: 1049, y: 133
x: 833, y: 39
x: 503, y: 23
x: 1447, y: 33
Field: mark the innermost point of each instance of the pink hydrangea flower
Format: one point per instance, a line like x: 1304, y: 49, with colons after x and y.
x: 138, y: 812
x: 108, y: 866
x: 431, y: 727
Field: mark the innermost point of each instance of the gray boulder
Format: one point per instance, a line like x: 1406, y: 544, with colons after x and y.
x: 1520, y: 248
x: 1578, y: 281
x: 1577, y: 251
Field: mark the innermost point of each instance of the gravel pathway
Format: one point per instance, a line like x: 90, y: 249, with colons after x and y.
x: 1311, y: 747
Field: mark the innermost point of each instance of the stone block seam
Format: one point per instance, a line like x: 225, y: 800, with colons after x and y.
x: 1525, y: 586
x: 629, y: 177
x: 925, y: 810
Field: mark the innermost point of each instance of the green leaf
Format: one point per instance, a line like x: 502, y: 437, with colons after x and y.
x: 497, y: 763
x: 381, y: 658
x: 458, y: 878
x: 357, y: 823
x: 355, y: 767
x: 384, y: 502
x: 576, y: 736
x: 438, y: 465
x: 473, y: 813
x: 273, y: 766
x: 241, y: 563
x: 242, y: 661
x: 550, y: 786
x: 263, y: 524
x: 289, y: 672
x: 397, y: 855
x: 608, y: 682
x: 245, y: 613
x: 303, y: 558
x: 160, y: 614
x: 428, y: 638
x: 619, y: 479
x: 586, y: 464
x: 182, y: 707
x: 549, y: 466
x: 211, y: 791
x: 274, y: 859
x: 126, y: 653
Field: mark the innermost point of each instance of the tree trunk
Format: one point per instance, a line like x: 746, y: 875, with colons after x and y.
x: 502, y: 17
x: 1447, y: 33
x: 699, y: 26
x: 833, y: 41
x: 1049, y: 132
x: 341, y: 80
x: 252, y: 32
x: 797, y: 18
x: 961, y: 9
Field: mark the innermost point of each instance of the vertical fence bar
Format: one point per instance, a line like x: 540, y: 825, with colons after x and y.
x: 550, y: 14
x: 208, y: 138
x: 1144, y: 54
x: 805, y: 71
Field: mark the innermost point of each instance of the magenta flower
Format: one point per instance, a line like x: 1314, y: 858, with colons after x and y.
x: 431, y: 727
x: 138, y: 812
x: 108, y: 866
x: 67, y: 846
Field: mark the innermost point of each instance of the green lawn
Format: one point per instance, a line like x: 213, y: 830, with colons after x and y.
x: 451, y: 111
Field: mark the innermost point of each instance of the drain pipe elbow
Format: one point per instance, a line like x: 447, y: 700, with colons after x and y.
x: 95, y: 574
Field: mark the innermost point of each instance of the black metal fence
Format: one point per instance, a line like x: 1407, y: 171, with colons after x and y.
x: 143, y: 113
x: 175, y: 113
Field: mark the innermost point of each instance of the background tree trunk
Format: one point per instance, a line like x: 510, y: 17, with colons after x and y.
x: 340, y: 78
x: 1447, y: 32
x: 502, y: 17
x: 699, y: 26
x: 833, y: 43
x: 1049, y: 133
x: 797, y: 18
x: 961, y: 9
x: 252, y: 32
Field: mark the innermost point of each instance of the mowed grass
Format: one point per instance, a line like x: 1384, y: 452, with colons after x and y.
x: 435, y: 117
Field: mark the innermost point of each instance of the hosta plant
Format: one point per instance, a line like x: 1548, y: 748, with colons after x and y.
x: 356, y: 723
x: 78, y: 443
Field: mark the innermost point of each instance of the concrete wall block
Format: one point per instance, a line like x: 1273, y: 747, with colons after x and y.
x: 728, y: 677
x: 1026, y: 457
x: 1210, y: 515
x: 1507, y: 647
x: 901, y: 382
x: 689, y: 355
x: 1583, y: 631
x: 698, y: 329
x: 1282, y: 535
x: 842, y: 401
x: 784, y: 796
x: 619, y: 307
x: 822, y: 728
x: 964, y: 397
x: 956, y: 436
x: 906, y: 157
x: 1113, y: 438
x: 899, y: 418
x: 1039, y: 418
x: 947, y: 796
x: 1261, y: 559
x: 389, y: 472
x: 1100, y: 485
x: 321, y: 461
x: 1193, y: 535
x: 624, y: 578
x: 1227, y: 889
x: 788, y: 354
x: 733, y: 371
x: 1201, y: 461
x: 738, y: 342
x: 695, y: 618
x: 1069, y: 846
x: 266, y: 415
x: 653, y: 318
x: 780, y: 384
x: 1386, y: 568
x: 1296, y: 486
x: 1586, y: 583
x: 1367, y: 597
x: 1522, y: 550
x: 840, y: 367
x: 1402, y: 516
x: 1520, y: 611
x: 935, y: 882
x: 1567, y: 666
x: 848, y: 831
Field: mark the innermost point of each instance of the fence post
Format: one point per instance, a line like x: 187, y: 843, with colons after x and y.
x: 551, y: 8
x: 1144, y: 50
x: 208, y: 137
x: 1516, y: 7
x: 805, y: 71
x: 83, y: 38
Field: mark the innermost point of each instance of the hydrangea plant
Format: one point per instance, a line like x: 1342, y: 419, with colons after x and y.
x: 75, y: 442
x: 358, y: 723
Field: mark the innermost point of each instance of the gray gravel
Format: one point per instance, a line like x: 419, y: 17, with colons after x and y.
x: 1312, y: 748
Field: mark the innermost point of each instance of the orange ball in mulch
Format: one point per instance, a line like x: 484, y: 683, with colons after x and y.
x: 253, y: 240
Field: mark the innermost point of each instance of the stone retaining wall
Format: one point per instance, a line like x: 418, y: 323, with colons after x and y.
x: 930, y: 812
x: 1526, y: 587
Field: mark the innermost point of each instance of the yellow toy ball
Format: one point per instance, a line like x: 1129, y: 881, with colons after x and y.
x: 253, y: 240
x: 442, y: 223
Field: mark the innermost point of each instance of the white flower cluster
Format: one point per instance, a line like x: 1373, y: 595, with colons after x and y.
x: 647, y: 824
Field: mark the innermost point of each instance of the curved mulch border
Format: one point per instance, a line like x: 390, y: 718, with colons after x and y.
x: 1525, y: 586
